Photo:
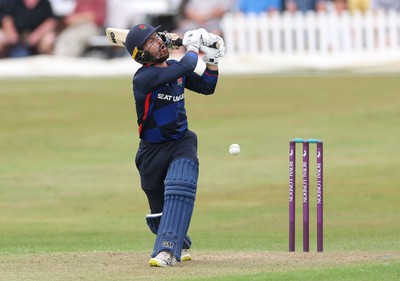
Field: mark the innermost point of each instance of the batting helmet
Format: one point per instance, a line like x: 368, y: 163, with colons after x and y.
x: 135, y: 40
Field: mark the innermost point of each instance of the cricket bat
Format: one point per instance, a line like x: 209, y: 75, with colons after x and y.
x: 117, y: 37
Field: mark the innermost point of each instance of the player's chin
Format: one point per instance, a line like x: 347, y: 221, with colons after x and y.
x: 164, y: 54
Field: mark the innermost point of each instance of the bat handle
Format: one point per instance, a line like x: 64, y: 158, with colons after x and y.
x: 215, y: 45
x: 178, y: 42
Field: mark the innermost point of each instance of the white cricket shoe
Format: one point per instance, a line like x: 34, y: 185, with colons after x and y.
x: 163, y: 259
x: 185, y: 255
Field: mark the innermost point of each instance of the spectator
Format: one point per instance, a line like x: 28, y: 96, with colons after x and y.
x: 85, y: 21
x: 62, y: 8
x: 259, y: 6
x: 340, y: 5
x: 28, y: 28
x: 386, y: 5
x: 203, y: 13
x: 2, y: 35
x: 124, y: 13
x: 3, y: 4
x: 305, y: 5
x: 172, y: 16
x: 358, y: 5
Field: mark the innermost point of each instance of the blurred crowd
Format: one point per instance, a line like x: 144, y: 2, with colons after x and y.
x: 66, y: 27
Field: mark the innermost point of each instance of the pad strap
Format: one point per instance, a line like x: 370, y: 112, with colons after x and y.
x: 153, y: 221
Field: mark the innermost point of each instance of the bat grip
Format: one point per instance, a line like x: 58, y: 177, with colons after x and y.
x: 178, y: 42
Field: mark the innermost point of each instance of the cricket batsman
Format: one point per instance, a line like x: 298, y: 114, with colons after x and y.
x: 167, y: 155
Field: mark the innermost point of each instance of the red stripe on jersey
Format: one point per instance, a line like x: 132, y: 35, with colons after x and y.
x: 140, y: 129
x: 146, y: 111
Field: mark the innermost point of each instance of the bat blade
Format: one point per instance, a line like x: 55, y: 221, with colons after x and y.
x: 116, y: 36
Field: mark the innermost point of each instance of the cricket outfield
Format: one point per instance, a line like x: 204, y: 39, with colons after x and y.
x: 72, y: 209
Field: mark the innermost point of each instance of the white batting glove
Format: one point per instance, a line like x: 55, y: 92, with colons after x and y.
x: 212, y: 55
x: 193, y: 39
x: 220, y: 41
x: 205, y: 37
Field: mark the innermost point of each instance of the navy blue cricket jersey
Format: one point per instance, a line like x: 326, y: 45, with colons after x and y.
x: 160, y: 99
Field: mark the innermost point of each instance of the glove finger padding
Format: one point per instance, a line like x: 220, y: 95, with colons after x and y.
x: 220, y: 41
x: 212, y: 55
x: 205, y: 37
x: 191, y: 40
x: 196, y: 38
x: 191, y: 37
x: 210, y: 52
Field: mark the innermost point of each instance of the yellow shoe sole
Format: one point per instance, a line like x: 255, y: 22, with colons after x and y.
x: 186, y: 258
x: 154, y: 263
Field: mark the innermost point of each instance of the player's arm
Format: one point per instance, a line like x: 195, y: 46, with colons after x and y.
x: 152, y: 78
x: 203, y: 84
x: 155, y: 77
x: 193, y: 40
x: 213, y: 67
x: 206, y: 83
x: 212, y: 55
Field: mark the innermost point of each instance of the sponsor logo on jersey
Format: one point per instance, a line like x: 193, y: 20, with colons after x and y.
x: 161, y: 96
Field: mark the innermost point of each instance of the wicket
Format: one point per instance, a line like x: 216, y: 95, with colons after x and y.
x: 292, y: 193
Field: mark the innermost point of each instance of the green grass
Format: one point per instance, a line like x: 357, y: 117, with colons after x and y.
x: 68, y: 183
x: 362, y: 273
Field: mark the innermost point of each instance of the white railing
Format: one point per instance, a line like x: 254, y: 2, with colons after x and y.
x: 312, y: 33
